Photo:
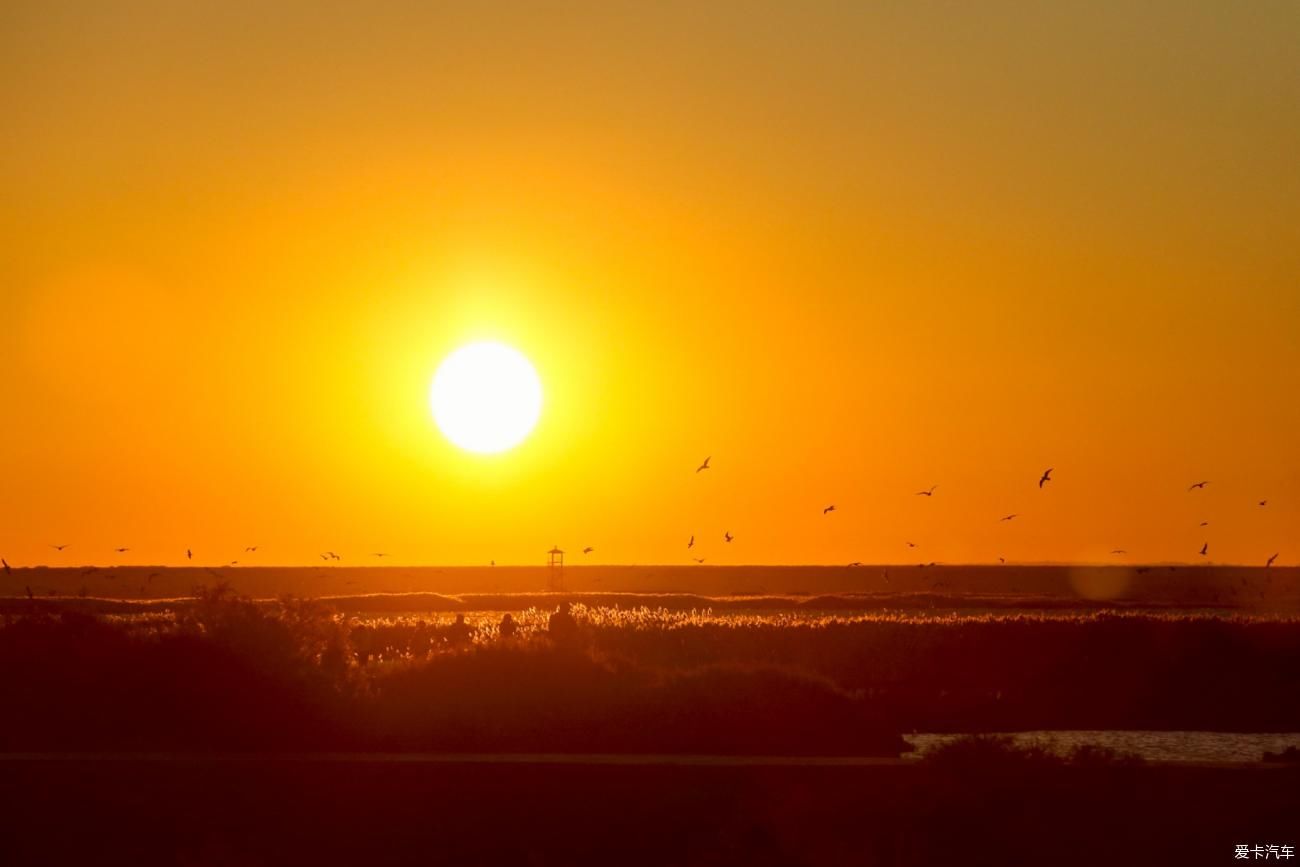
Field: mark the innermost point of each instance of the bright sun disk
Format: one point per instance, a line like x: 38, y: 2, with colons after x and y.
x: 486, y: 397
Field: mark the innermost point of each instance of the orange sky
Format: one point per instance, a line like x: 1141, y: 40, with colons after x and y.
x: 849, y: 251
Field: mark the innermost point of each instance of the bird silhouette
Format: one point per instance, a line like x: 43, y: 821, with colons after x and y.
x: 1047, y: 477
x: 1205, y: 523
x: 1002, y: 559
x: 1204, y: 548
x: 691, y: 543
x: 250, y: 549
x: 324, y: 556
x: 856, y: 563
x: 1270, y: 561
x: 927, y: 493
x: 58, y: 547
x: 705, y: 465
x: 828, y: 509
x: 189, y: 555
x: 698, y: 559
x: 379, y: 554
x: 1119, y: 551
x: 1263, y: 502
x: 1008, y: 517
x: 121, y: 550
x: 1196, y: 485
x: 588, y: 549
x: 911, y: 544
x: 727, y: 536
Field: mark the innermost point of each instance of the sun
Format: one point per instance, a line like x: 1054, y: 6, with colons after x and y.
x: 486, y: 397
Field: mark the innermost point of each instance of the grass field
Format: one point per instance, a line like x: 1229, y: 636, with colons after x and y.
x: 725, y: 675
x: 209, y: 727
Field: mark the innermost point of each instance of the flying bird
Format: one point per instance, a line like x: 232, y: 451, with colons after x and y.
x: 250, y: 548
x: 705, y: 465
x: 61, y: 547
x: 1270, y: 561
x: 189, y: 555
x: 830, y: 508
x: 121, y: 550
x: 911, y: 544
x: 1119, y: 551
x: 856, y: 563
x: 379, y: 554
x: 324, y: 556
x: 1205, y: 523
x: 588, y: 549
x: 727, y: 536
x: 1205, y: 548
x: 927, y: 493
x: 1196, y: 485
x: 1002, y: 559
x: 1009, y: 517
x: 691, y: 543
x: 1263, y: 502
x: 698, y: 559
x: 1047, y: 476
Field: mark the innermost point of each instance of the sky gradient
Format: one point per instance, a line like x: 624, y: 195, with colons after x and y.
x: 848, y: 250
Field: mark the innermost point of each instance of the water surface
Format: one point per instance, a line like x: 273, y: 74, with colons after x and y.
x: 1152, y: 746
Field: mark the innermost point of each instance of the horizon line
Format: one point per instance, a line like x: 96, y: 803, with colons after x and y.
x: 1059, y: 564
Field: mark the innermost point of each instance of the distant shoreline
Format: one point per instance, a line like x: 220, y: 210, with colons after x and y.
x: 574, y: 759
x: 1248, y: 588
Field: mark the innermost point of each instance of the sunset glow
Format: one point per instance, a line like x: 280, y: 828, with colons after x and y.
x: 850, y: 252
x: 592, y: 432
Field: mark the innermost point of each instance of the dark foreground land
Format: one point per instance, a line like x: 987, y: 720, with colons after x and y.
x: 234, y: 675
x: 226, y: 731
x: 375, y: 811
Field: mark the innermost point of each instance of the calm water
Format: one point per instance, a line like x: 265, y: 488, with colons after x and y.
x: 1153, y: 746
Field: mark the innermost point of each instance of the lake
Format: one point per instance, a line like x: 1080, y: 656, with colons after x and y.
x: 1152, y: 746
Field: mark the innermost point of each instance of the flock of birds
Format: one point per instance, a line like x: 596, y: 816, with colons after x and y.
x: 727, y: 537
x: 929, y: 492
